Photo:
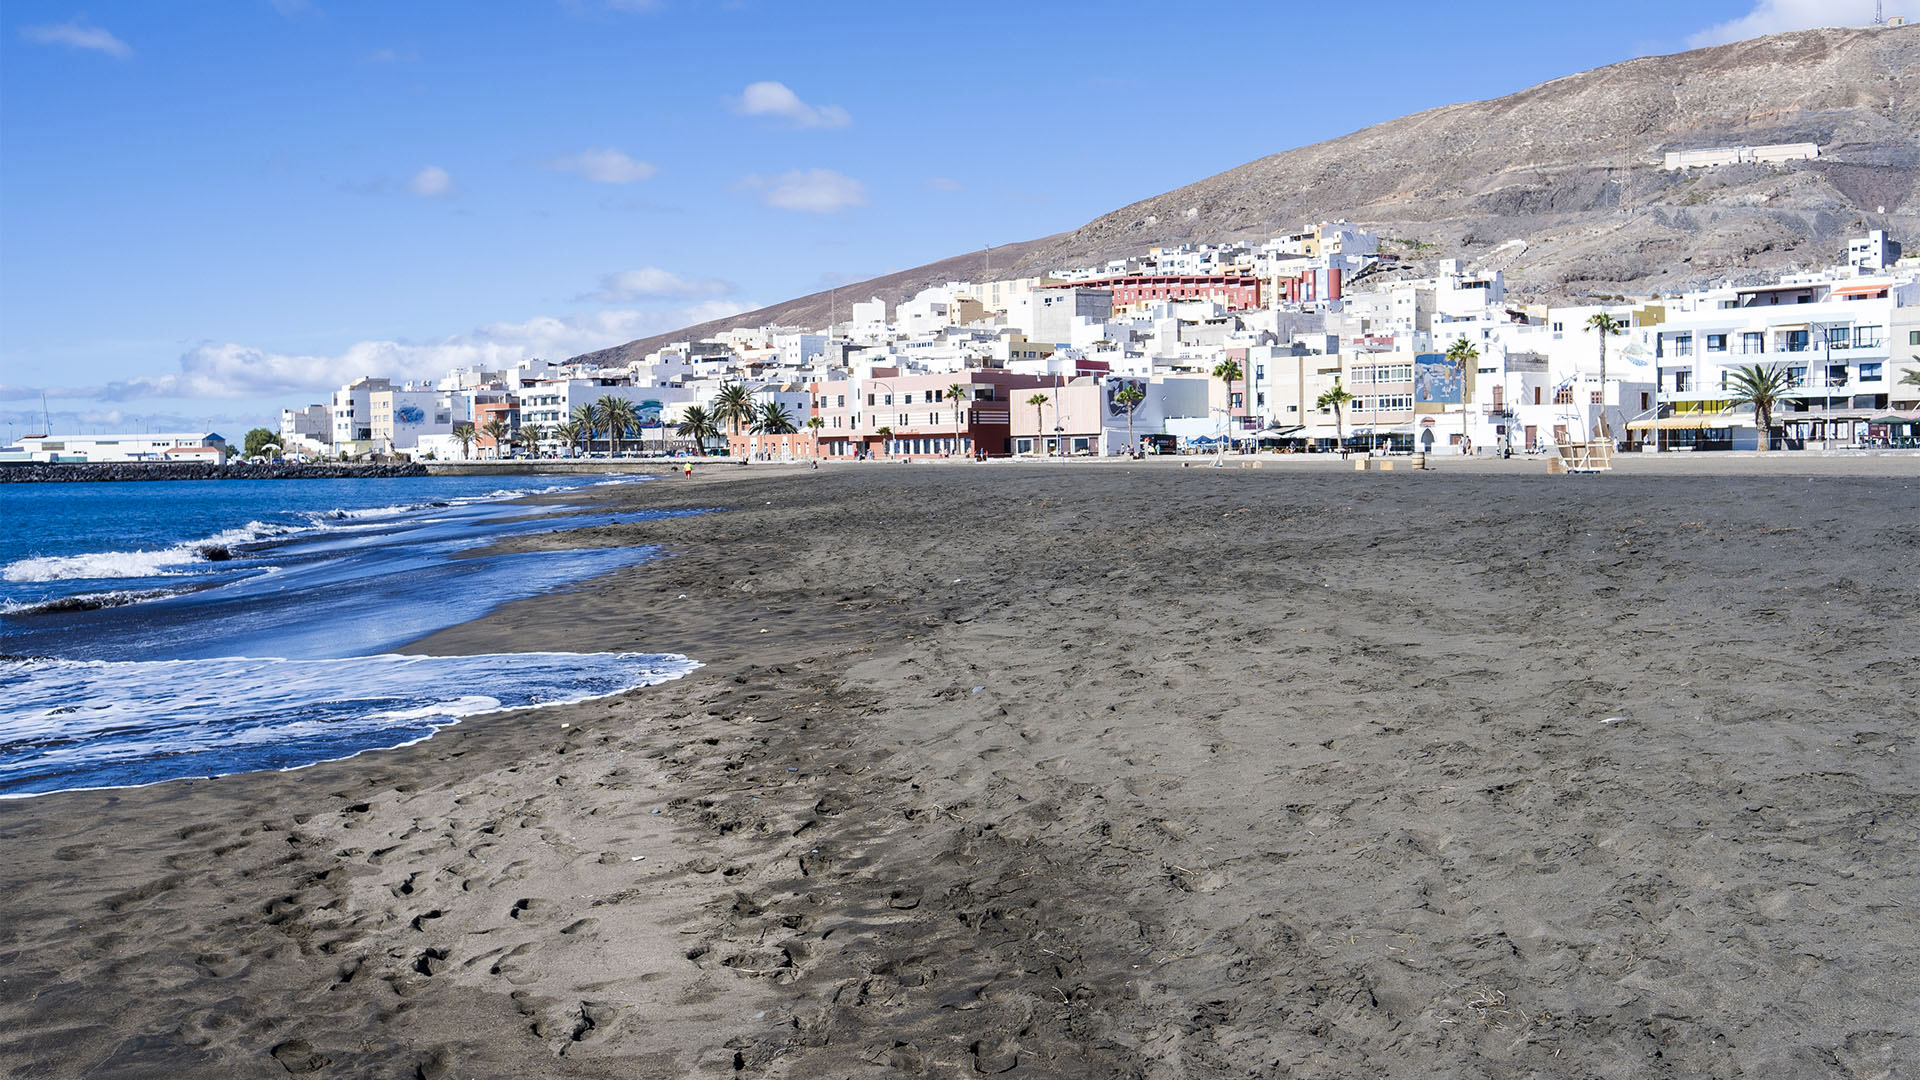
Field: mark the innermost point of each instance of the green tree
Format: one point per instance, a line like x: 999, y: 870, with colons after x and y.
x: 1462, y: 355
x: 1911, y: 377
x: 1038, y: 401
x: 1228, y: 372
x: 886, y: 440
x: 957, y: 396
x: 1336, y: 399
x: 733, y: 406
x: 464, y: 434
x: 496, y: 429
x: 1762, y: 388
x: 568, y: 433
x: 772, y: 418
x: 814, y: 424
x: 529, y: 438
x: 588, y: 417
x: 1129, y: 398
x: 259, y: 440
x: 1605, y: 326
x: 698, y: 424
x: 618, y: 417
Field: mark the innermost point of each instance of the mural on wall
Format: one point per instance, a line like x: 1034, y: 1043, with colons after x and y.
x: 1437, y: 381
x: 409, y: 415
x: 648, y: 412
x: 1114, y: 386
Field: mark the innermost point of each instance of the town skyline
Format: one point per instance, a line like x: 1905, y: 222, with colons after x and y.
x: 340, y: 196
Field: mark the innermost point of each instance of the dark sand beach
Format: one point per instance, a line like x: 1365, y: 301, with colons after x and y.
x: 1103, y: 769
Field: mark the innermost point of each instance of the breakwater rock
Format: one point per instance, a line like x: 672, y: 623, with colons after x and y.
x: 140, y: 470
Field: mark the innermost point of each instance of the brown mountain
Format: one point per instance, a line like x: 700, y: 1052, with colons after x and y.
x: 1570, y: 167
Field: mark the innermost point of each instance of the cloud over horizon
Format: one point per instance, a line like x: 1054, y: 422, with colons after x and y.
x: 774, y: 99
x: 653, y: 283
x: 1780, y: 16
x: 605, y: 166
x: 76, y: 35
x: 231, y: 371
x: 811, y: 191
x: 431, y: 182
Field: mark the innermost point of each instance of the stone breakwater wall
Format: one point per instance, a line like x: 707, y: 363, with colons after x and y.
x: 40, y: 473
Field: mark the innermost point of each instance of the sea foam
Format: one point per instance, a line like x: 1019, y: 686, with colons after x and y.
x: 68, y: 724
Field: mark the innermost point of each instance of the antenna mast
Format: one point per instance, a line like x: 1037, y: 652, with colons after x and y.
x: 1879, y: 13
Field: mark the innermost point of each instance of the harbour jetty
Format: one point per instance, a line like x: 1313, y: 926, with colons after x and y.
x: 39, y: 472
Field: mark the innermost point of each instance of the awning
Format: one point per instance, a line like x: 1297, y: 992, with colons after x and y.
x: 1896, y: 418
x: 1699, y: 422
x: 1859, y: 290
x: 1789, y: 326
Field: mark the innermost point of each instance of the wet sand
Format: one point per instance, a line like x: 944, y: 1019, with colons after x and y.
x: 1098, y: 769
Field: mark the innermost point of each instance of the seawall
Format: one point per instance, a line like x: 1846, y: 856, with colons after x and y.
x: 141, y: 470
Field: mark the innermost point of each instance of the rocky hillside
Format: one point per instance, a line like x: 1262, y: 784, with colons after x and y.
x: 1560, y: 185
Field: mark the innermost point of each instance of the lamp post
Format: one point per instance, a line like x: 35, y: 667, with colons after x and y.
x: 889, y: 396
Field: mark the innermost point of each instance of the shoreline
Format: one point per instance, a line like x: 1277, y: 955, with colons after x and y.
x: 1150, y: 769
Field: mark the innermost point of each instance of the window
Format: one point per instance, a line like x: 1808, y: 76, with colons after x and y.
x: 1681, y: 380
x: 1563, y: 396
x: 1536, y: 395
x: 1913, y: 337
x: 905, y: 399
x: 1259, y: 371
x: 1683, y: 345
x: 1753, y: 342
x: 1836, y: 374
x: 1870, y: 372
x: 1595, y: 398
x: 1869, y: 337
x: 840, y: 401
x: 1644, y: 403
x: 1796, y: 340
x: 1716, y: 343
x: 1838, y: 337
x: 869, y: 400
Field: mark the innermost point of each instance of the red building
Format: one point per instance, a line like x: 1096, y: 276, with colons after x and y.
x: 1236, y: 291
x: 1309, y: 286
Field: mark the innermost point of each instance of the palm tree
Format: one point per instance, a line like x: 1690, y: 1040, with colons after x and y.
x: 1228, y: 372
x: 697, y: 423
x: 1911, y: 378
x: 957, y: 393
x: 814, y: 425
x: 619, y: 417
x: 1037, y: 401
x: 772, y: 418
x: 733, y: 406
x: 1336, y: 399
x: 567, y: 433
x: 1606, y: 326
x: 497, y: 430
x: 886, y: 438
x: 529, y: 439
x: 464, y: 434
x: 1129, y: 398
x: 588, y: 418
x: 1462, y: 355
x: 1762, y: 388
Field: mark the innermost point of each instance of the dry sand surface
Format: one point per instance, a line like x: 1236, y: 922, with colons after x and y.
x: 1079, y: 770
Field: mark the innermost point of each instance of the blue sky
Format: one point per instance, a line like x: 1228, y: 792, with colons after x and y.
x: 211, y: 210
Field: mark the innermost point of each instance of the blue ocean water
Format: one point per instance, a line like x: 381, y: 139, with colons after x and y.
x: 155, y: 631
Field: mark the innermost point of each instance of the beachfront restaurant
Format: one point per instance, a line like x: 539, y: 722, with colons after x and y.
x: 1699, y: 431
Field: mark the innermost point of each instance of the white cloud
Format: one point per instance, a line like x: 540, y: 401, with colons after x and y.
x: 814, y: 191
x: 653, y: 283
x: 774, y: 99
x: 1778, y: 16
x: 431, y: 182
x: 77, y: 36
x: 237, y: 372
x: 608, y: 166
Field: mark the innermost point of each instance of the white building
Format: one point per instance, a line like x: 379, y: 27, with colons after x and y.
x: 204, y: 446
